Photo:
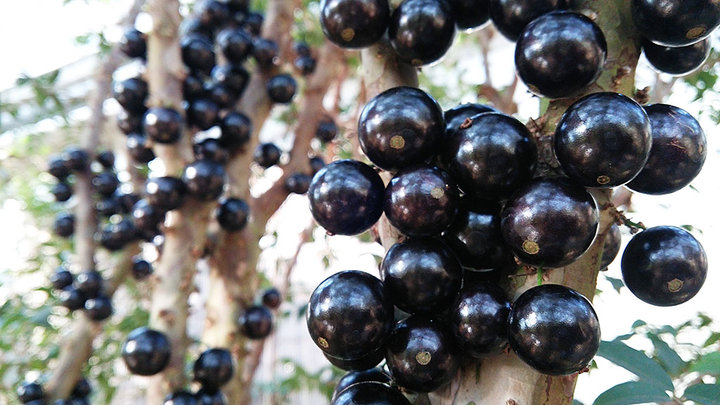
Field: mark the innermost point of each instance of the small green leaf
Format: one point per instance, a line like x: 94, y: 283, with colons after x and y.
x: 714, y: 337
x: 638, y: 324
x: 707, y: 364
x: 635, y: 362
x: 616, y: 283
x: 667, y: 357
x: 632, y: 392
x: 705, y: 394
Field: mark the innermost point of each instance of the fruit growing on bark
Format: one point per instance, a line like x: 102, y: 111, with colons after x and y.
x: 354, y: 23
x: 146, y: 351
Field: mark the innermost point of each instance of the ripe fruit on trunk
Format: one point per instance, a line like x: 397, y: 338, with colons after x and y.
x: 146, y: 351
x: 370, y: 393
x: 354, y: 23
x: 421, y: 31
x: 677, y: 61
x: 675, y: 22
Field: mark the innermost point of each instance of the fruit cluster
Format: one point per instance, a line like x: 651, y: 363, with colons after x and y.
x: 31, y: 393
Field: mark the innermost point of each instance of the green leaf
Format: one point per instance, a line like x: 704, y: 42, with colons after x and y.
x: 617, y: 284
x: 632, y: 392
x: 705, y: 394
x: 714, y: 337
x: 707, y: 364
x: 635, y: 362
x: 667, y: 357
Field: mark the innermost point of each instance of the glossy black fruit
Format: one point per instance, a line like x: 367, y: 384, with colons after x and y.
x: 58, y: 167
x: 90, y: 283
x: 253, y: 23
x: 213, y: 368
x: 267, y: 154
x: 210, y: 149
x: 281, y: 88
x: 139, y: 149
x: 193, y: 88
x: 354, y: 23
x: 362, y: 363
x: 675, y: 22
x: 664, y: 265
x: 106, y: 159
x: 204, y: 179
x: 221, y: 95
x: 349, y: 315
x: 511, y: 16
x: 131, y: 94
x: 326, y: 129
x: 98, y: 309
x: 611, y: 247
x: 560, y: 53
x: 421, y: 354
x: 370, y: 393
x: 316, y: 163
x: 146, y: 351
x: 141, y: 269
x: 475, y: 235
x: 197, y: 53
x: 61, y: 278
x: 302, y: 48
x: 265, y: 51
x: 115, y: 235
x: 61, y: 191
x: 421, y: 201
x: 678, y: 151
x: 305, y: 65
x: 550, y: 340
x: 256, y: 322
x: 165, y: 193
x: 71, y: 298
x: 271, y: 298
x: 130, y: 123
x: 232, y: 214
x: 534, y: 218
x: 76, y: 159
x: 478, y: 319
x: 421, y: 31
x: 234, y: 77
x: 133, y: 43
x: 29, y: 391
x: 212, y: 13
x: 108, y: 207
x: 492, y: 156
x: 458, y: 115
x: 147, y: 217
x: 210, y: 397
x: 163, y: 125
x: 399, y: 127
x: 603, y: 140
x: 82, y: 388
x: 235, y: 130
x: 298, y: 183
x: 105, y: 183
x: 64, y: 225
x: 421, y: 275
x: 470, y: 13
x: 202, y: 113
x: 236, y: 44
x: 354, y: 377
x: 677, y: 61
x: 346, y: 197
x: 181, y: 397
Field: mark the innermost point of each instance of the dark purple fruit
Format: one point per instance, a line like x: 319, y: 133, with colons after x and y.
x: 133, y: 43
x: 362, y: 363
x: 305, y: 65
x: 213, y: 368
x: 475, y: 235
x: 603, y: 140
x: 560, y: 53
x: 316, y: 163
x: 165, y: 193
x: 193, y: 88
x: 253, y: 23
x: 421, y: 354
x: 71, y: 298
x: 492, y: 156
x: 549, y: 222
x: 58, y: 167
x: 326, y: 129
x: 221, y: 95
x: 267, y: 155
x: 511, y: 16
x: 302, y: 48
x: 354, y: 23
x: 370, y: 393
x: 281, y: 88
x: 478, y: 319
x: 163, y: 125
x: 233, y: 77
x: 98, y: 309
x: 130, y: 123
x: 346, y: 197
x: 349, y: 315
x: 146, y: 351
x: 677, y: 61
x: 64, y: 225
x: 204, y: 179
x: 127, y: 200
x: 256, y: 322
x: 236, y: 44
x: 147, y: 217
x: 202, y: 113
x: 76, y: 159
x: 232, y: 214
x: 298, y: 183
x: 554, y: 329
x: 141, y: 269
x: 29, y: 391
x: 399, y: 127
x: 210, y: 149
x: 90, y: 283
x: 212, y: 13
x: 675, y: 22
x: 470, y: 13
x: 265, y: 51
x: 61, y: 278
x: 181, y: 397
x: 421, y: 31
x: 271, y: 298
x: 677, y: 154
x: 108, y: 207
x: 664, y: 265
x: 197, y: 53
x: 421, y: 201
x: 458, y: 115
x: 131, y: 94
x: 81, y: 389
x: 210, y: 397
x: 106, y: 159
x: 421, y: 275
x: 611, y: 247
x: 139, y: 149
x: 354, y: 377
x: 105, y: 183
x: 235, y: 130
x: 114, y: 236
x: 61, y: 191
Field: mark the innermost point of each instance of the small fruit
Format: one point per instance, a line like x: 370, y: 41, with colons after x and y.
x: 71, y: 298
x: 664, y: 265
x: 64, y: 225
x: 165, y: 193
x: 212, y: 13
x: 76, y: 159
x: 30, y: 391
x: 163, y: 125
x: 370, y: 393
x: 305, y: 65
x: 197, y: 53
x: 236, y: 44
x: 141, y: 269
x: 421, y: 31
x: 235, y: 130
x: 553, y: 341
x: 130, y: 123
x: 133, y: 43
x: 210, y: 149
x: 108, y: 207
x: 146, y: 351
x: 181, y: 397
x: 62, y: 191
x: 354, y: 23
x: 478, y: 319
x: 139, y: 148
x: 61, y: 278
x: 354, y: 377
x: 105, y: 183
x: 611, y: 247
x: 316, y: 163
x: 115, y: 235
x: 253, y: 23
x: 82, y: 388
x: 204, y: 179
x: 202, y: 113
x: 90, y: 283
x: 256, y: 322
x: 145, y: 216
x: 281, y: 88
x: 58, y: 168
x: 475, y: 235
x: 98, y: 309
x: 298, y: 183
x: 271, y: 298
x: 106, y: 159
x: 234, y: 77
x: 232, y: 214
x: 221, y: 95
x: 213, y: 368
x: 511, y: 16
x: 131, y: 94
x: 470, y: 13
x: 458, y: 115
x: 265, y: 51
x: 675, y: 22
x: 678, y: 61
x: 326, y: 129
x: 365, y: 362
x: 193, y: 88
x: 267, y: 155
x: 210, y: 397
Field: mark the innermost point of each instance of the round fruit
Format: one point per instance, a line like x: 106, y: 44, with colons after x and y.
x: 316, y: 163
x: 363, y: 363
x: 64, y: 225
x: 611, y: 247
x: 193, y: 88
x: 475, y: 235
x: 478, y: 319
x: 554, y: 329
x: 212, y: 13
x: 165, y: 193
x: 61, y: 191
x: 90, y: 283
x: 267, y: 155
x: 533, y: 220
x: 302, y: 48
x: 603, y: 140
x: 677, y: 154
x: 421, y: 275
x: 421, y: 201
x: 399, y: 127
x: 108, y: 207
x: 265, y: 51
x: 106, y: 159
x: 181, y: 397
x: 354, y: 23
x: 458, y: 115
x: 129, y: 123
x: 163, y: 125
x: 511, y: 16
x: 349, y: 315
x: 235, y: 130
x: 98, y: 309
x: 305, y: 65
x: 139, y: 148
x: 281, y: 88
x: 421, y: 31
x: 354, y: 377
x: 147, y: 217
x: 210, y: 397
x: 58, y: 167
x: 221, y: 95
x: 421, y: 355
x: 141, y: 269
x: 61, y: 278
x: 664, y: 265
x: 133, y: 43
x: 326, y: 129
x: 560, y: 53
x: 298, y: 183
x: 76, y: 159
x: 256, y: 322
x: 82, y: 388
x: 675, y: 22
x: 115, y: 235
x: 470, y: 13
x: 213, y: 368
x: 271, y: 298
x: 492, y: 156
x: 131, y: 94
x: 197, y: 53
x: 236, y: 44
x: 370, y: 393
x: 346, y: 197
x: 232, y: 214
x: 71, y: 298
x: 677, y: 61
x: 204, y: 179
x: 210, y: 149
x: 234, y: 77
x: 30, y: 391
x: 202, y: 113
x: 105, y: 183
x: 146, y: 351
